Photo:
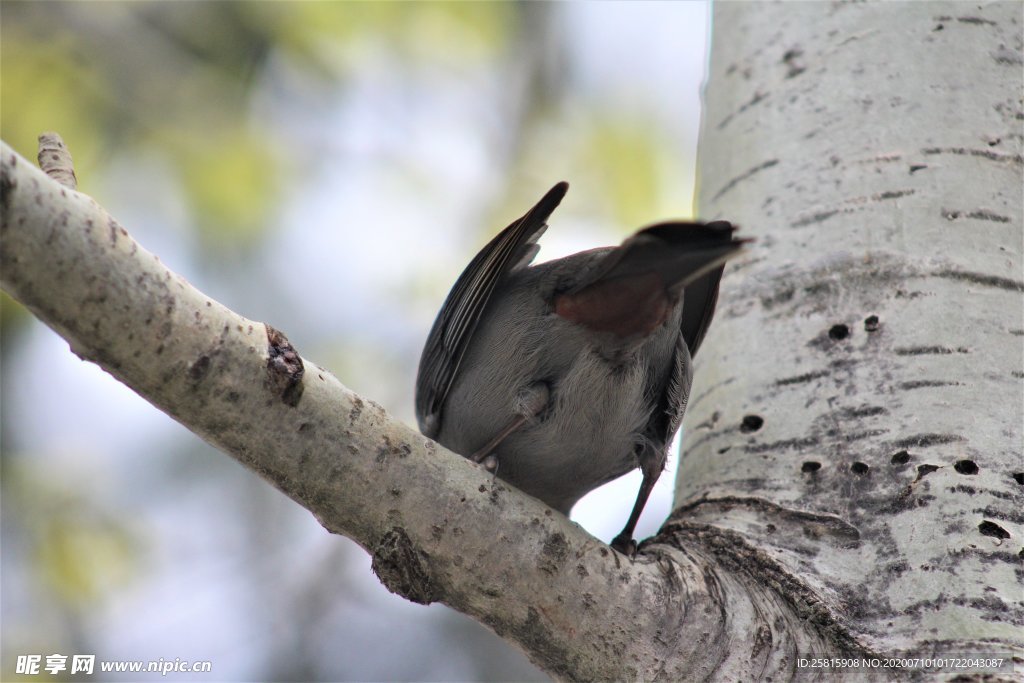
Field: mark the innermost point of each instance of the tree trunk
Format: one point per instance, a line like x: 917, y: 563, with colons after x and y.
x: 851, y: 480
x: 859, y: 410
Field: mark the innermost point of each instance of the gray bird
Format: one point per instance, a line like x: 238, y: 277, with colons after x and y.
x: 563, y: 376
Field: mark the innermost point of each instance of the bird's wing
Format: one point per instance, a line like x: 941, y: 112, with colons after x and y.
x: 513, y: 247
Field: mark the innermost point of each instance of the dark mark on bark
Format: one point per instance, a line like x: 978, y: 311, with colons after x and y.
x: 800, y: 379
x: 923, y: 383
x: 7, y: 187
x: 758, y: 96
x: 401, y: 450
x: 978, y: 214
x: 866, y: 434
x: 357, y: 409
x: 866, y: 411
x: 981, y: 279
x: 983, y: 153
x: 199, y: 369
x: 905, y: 500
x: 553, y: 553
x: 792, y: 60
x: 496, y: 489
x: 814, y: 218
x: 975, y: 20
x: 925, y: 470
x: 284, y: 368
x: 928, y: 350
x: 891, y: 194
x: 785, y: 444
x: 779, y: 297
x: 986, y: 215
x: 743, y: 176
x: 925, y: 440
x: 402, y: 568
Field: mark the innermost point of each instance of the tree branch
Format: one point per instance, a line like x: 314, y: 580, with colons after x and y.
x: 439, y: 528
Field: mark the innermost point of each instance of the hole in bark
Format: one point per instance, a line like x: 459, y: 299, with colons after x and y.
x: 922, y: 470
x: 871, y: 323
x: 900, y: 458
x: 1019, y: 476
x: 751, y: 423
x: 859, y: 468
x: 724, y: 450
x: 810, y: 466
x: 838, y: 332
x: 965, y: 467
x: 992, y: 529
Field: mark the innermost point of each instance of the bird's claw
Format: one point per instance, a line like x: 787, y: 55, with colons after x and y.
x: 625, y: 545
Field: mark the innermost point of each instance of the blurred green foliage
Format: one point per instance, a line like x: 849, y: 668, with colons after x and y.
x: 43, y: 88
x: 116, y: 78
x: 177, y: 79
x: 415, y: 29
x: 625, y: 157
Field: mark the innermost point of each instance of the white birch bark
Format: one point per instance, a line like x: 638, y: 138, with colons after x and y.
x: 858, y: 409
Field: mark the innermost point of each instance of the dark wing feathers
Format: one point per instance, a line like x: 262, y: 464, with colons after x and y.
x: 450, y: 336
x: 699, y: 300
x: 701, y: 295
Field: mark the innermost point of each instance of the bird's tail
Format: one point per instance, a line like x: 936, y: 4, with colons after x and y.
x: 632, y: 289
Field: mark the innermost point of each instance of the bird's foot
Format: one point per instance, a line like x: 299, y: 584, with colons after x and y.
x: 624, y: 544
